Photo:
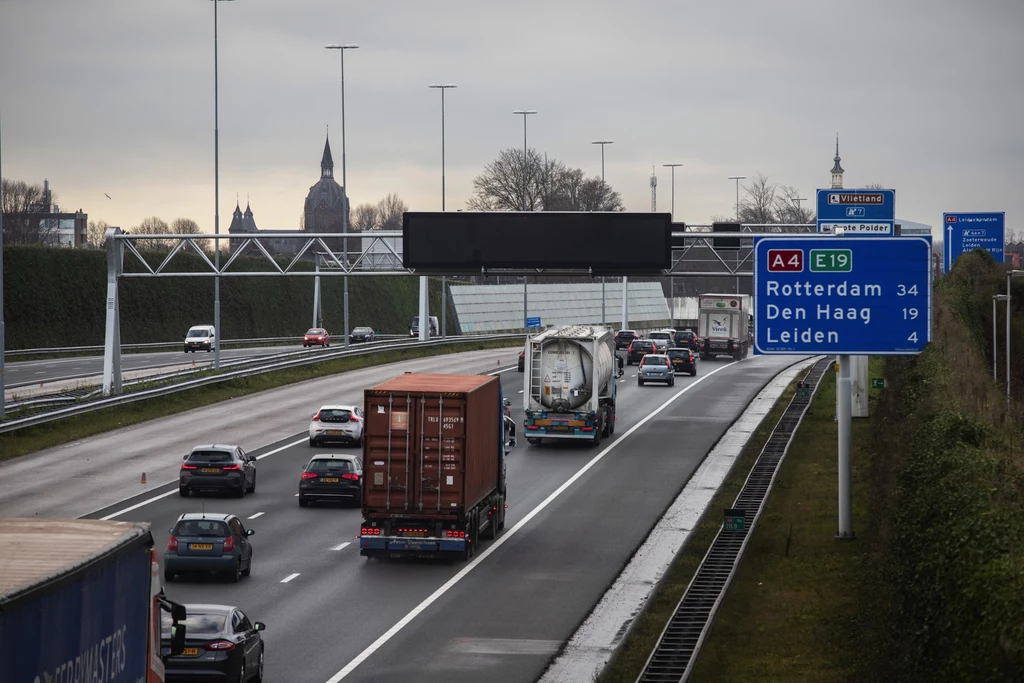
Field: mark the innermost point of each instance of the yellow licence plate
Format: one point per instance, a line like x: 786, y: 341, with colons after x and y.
x: 329, y: 480
x: 200, y: 546
x: 334, y: 432
x: 210, y: 470
x: 190, y: 651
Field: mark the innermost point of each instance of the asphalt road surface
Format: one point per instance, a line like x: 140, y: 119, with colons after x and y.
x: 575, y: 516
x: 29, y: 372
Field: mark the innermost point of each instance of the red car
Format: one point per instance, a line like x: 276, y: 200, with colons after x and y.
x: 316, y: 336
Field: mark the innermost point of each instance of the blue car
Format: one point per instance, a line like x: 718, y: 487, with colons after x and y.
x: 208, y: 543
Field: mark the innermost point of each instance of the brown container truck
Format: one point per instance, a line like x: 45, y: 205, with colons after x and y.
x: 433, y: 465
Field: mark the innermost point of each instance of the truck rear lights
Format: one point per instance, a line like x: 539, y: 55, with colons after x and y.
x: 532, y: 427
x: 588, y: 429
x: 369, y: 531
x: 220, y: 645
x: 173, y: 543
x: 455, y: 534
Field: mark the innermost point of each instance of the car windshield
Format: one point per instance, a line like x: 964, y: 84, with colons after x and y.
x: 333, y: 465
x: 335, y: 415
x: 361, y: 330
x: 210, y: 456
x: 654, y: 360
x: 315, y: 331
x: 678, y: 354
x: 201, y: 527
x: 196, y: 624
x: 198, y: 333
x: 644, y: 346
x: 659, y: 335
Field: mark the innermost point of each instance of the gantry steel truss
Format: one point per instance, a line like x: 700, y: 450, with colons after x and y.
x: 695, y: 254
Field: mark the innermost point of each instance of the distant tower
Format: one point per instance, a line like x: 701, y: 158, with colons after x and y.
x: 654, y: 191
x: 837, y: 170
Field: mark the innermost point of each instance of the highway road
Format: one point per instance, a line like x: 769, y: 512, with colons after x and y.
x: 31, y: 372
x: 575, y: 516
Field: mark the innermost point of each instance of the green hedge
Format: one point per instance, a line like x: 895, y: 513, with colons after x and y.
x: 56, y: 297
x: 948, y: 476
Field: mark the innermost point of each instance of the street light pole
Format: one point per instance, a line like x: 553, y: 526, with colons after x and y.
x: 216, y: 192
x: 672, y: 280
x: 604, y: 318
x: 444, y: 280
x: 344, y: 177
x: 525, y: 113
x: 737, y: 178
x: 995, y: 298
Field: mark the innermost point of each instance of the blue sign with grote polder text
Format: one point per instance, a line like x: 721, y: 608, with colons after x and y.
x: 868, y: 213
x: 857, y: 296
x: 964, y: 232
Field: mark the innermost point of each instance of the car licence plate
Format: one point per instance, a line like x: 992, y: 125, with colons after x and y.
x: 334, y: 432
x: 200, y: 546
x: 329, y: 480
x: 191, y: 651
x: 210, y: 470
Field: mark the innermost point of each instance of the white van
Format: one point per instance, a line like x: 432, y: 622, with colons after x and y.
x: 200, y: 337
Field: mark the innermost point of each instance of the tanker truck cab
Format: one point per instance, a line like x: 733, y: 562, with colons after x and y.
x: 569, y: 385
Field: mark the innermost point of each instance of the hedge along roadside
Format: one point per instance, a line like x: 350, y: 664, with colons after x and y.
x: 32, y: 439
x: 56, y: 296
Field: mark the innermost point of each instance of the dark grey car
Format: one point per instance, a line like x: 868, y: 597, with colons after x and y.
x: 208, y: 542
x: 362, y: 334
x: 655, y: 368
x: 220, y: 644
x: 337, y: 478
x: 217, y: 468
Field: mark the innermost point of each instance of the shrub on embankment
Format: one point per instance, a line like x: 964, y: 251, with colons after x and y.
x: 946, y: 585
x: 56, y: 297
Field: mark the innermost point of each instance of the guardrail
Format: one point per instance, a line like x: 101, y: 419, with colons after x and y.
x: 163, y: 345
x: 308, y: 359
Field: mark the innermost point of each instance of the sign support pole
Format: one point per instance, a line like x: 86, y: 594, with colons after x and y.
x: 844, y: 390
x: 316, y: 294
x: 424, y: 311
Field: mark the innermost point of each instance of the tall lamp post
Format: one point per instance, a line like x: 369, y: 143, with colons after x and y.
x: 216, y: 192
x: 524, y: 113
x: 671, y: 279
x: 602, y: 143
x: 344, y: 176
x: 737, y: 178
x: 444, y: 288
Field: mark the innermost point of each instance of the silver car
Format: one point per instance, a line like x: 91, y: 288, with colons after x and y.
x: 662, y: 339
x: 656, y: 367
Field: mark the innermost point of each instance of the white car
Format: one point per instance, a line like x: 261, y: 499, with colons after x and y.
x: 337, y: 423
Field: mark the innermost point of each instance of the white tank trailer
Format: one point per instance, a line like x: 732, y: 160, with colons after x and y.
x: 569, y: 384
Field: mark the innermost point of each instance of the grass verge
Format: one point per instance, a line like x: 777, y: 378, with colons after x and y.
x: 33, y: 439
x: 629, y: 661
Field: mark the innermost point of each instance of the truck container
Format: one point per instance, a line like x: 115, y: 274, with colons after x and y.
x: 433, y: 465
x: 569, y: 384
x: 724, y: 325
x: 79, y: 601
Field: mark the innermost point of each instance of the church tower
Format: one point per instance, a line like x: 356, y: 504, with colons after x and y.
x: 326, y: 208
x: 837, y: 170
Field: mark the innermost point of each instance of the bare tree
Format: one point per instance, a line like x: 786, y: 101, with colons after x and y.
x: 875, y: 186
x: 390, y: 211
x: 365, y: 217
x: 758, y: 206
x: 187, y: 226
x: 503, y: 182
x: 96, y: 237
x: 153, y: 226
x: 788, y: 209
x: 21, y: 203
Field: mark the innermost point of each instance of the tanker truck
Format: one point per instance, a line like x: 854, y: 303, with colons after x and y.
x: 569, y: 384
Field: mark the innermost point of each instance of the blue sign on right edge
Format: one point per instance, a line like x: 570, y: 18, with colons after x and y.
x: 964, y: 232
x: 858, y: 296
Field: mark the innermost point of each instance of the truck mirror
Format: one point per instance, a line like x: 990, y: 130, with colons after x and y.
x: 177, y: 639
x: 178, y: 612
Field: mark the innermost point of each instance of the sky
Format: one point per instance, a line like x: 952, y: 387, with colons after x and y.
x: 116, y: 97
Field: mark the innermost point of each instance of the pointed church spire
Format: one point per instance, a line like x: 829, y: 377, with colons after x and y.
x: 327, y: 163
x: 837, y: 169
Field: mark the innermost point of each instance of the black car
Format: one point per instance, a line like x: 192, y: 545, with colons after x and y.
x: 331, y: 478
x: 685, y: 339
x: 362, y: 334
x: 623, y: 338
x: 638, y: 349
x: 220, y: 644
x: 522, y: 361
x: 682, y: 361
x: 208, y: 542
x: 217, y: 468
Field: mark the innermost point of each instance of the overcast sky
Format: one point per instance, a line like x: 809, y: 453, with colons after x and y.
x: 116, y: 97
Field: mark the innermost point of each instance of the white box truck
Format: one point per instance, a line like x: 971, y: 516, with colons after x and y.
x: 724, y: 325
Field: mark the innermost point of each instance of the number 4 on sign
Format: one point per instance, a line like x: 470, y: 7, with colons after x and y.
x: 785, y: 260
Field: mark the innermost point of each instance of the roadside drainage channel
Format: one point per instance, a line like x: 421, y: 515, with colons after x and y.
x: 673, y: 657
x: 606, y: 628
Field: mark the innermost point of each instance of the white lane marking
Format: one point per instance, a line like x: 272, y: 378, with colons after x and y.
x: 520, y: 391
x: 432, y: 598
x: 258, y: 514
x: 173, y: 491
x: 289, y: 578
x: 342, y: 546
x: 41, y: 372
x: 296, y: 495
x: 498, y: 372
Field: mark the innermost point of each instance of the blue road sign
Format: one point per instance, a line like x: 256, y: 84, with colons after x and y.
x: 868, y: 213
x: 858, y: 296
x: 963, y: 232
x: 532, y: 322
